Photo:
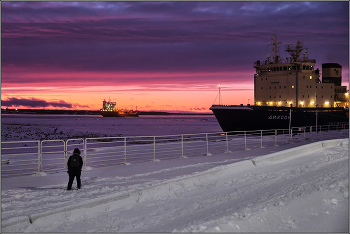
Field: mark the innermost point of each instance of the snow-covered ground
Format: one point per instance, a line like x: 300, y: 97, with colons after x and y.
x: 286, y: 191
x: 295, y: 187
x: 21, y: 127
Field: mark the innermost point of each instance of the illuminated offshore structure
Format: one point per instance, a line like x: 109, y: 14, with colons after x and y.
x: 109, y: 110
x: 295, y: 82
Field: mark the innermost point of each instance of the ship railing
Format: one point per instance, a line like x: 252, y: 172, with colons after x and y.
x: 35, y: 157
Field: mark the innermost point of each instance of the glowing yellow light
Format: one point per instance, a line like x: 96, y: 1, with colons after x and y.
x: 259, y: 103
x: 271, y: 103
x: 279, y: 103
x: 292, y: 86
x: 302, y: 103
x: 326, y: 103
x: 310, y: 77
x: 312, y: 102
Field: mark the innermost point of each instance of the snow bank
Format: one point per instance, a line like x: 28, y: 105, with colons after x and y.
x: 205, y: 189
x: 298, y: 151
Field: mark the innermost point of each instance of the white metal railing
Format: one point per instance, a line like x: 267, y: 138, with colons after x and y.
x: 30, y: 157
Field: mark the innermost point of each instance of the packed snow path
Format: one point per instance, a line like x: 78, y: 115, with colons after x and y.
x: 290, y: 191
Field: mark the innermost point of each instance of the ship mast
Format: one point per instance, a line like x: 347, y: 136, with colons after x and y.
x: 295, y: 52
x: 275, y: 49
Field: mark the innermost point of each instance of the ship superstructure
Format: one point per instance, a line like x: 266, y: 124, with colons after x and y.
x: 295, y: 82
x: 288, y: 92
x: 109, y: 110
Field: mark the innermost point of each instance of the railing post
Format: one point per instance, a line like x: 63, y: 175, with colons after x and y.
x: 206, y: 137
x: 245, y: 140
x: 310, y: 132
x: 154, y: 147
x: 304, y: 133
x: 65, y: 153
x: 182, y: 146
x: 40, y: 167
x: 261, y: 139
x: 276, y: 137
x: 124, y: 149
x: 226, y: 142
x: 85, y: 147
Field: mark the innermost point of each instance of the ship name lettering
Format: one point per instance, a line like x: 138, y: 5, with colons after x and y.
x: 337, y: 123
x: 278, y: 117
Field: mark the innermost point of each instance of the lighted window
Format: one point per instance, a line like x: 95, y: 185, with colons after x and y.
x: 310, y: 77
x: 292, y: 86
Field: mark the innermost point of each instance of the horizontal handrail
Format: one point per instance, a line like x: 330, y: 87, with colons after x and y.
x: 51, y: 155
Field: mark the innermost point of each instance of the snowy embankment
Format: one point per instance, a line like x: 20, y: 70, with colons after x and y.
x: 304, y: 189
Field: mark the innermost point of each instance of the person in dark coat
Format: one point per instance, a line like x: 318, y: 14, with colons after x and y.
x: 74, y: 170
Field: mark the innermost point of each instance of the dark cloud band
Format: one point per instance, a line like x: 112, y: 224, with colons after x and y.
x: 32, y: 102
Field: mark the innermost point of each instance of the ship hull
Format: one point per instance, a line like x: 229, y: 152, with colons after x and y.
x: 245, y: 118
x: 117, y: 114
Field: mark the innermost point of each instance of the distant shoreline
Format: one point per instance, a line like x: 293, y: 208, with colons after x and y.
x: 88, y: 112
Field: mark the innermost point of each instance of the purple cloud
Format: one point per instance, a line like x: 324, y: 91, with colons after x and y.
x: 146, y: 37
x: 36, y: 103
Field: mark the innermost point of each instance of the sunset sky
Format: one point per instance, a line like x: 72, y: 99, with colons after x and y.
x: 168, y: 56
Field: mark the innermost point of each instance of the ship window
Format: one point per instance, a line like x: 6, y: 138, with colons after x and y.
x: 307, y: 86
x: 280, y: 87
x: 289, y: 68
x: 281, y: 69
x: 270, y: 87
x: 303, y: 95
x: 275, y: 87
x: 322, y: 96
x: 308, y: 96
x: 284, y: 86
x: 261, y: 87
x: 266, y: 78
x: 307, y: 67
x: 304, y: 67
x: 292, y: 86
x: 322, y: 86
x: 280, y: 96
x: 285, y: 68
x: 331, y: 96
x: 310, y: 86
x: 270, y: 96
x: 331, y: 87
x: 303, y: 76
x: 316, y: 96
x: 310, y: 77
